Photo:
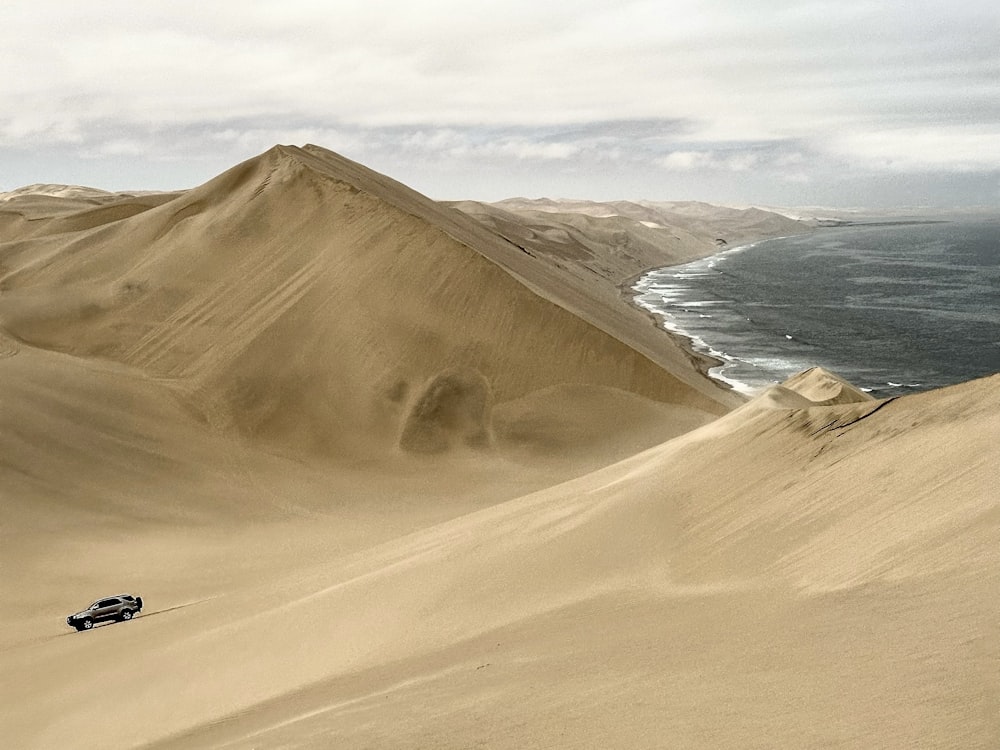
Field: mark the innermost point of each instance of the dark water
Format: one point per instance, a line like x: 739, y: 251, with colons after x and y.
x: 892, y: 309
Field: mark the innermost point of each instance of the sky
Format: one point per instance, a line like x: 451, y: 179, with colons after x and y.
x: 874, y: 103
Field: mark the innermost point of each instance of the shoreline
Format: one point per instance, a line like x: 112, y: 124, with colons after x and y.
x: 895, y: 367
x: 703, y: 362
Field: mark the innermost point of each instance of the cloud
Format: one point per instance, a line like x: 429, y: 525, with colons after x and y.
x: 116, y: 147
x: 685, y: 160
x: 733, y: 67
x: 525, y: 149
x: 737, y: 160
x: 725, y: 87
x: 956, y: 149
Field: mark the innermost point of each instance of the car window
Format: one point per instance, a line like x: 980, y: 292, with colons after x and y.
x: 110, y: 602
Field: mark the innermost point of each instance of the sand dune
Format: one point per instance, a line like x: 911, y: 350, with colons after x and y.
x: 613, y: 246
x: 386, y: 479
x: 619, y: 240
x: 695, y: 221
x: 304, y: 298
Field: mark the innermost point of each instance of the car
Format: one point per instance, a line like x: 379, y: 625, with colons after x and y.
x: 119, y: 607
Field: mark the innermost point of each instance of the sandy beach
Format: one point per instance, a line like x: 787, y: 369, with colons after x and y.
x: 396, y: 473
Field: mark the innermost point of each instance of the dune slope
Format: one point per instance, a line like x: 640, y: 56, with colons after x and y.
x: 804, y: 576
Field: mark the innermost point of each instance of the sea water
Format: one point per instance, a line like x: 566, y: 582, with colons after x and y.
x: 891, y: 308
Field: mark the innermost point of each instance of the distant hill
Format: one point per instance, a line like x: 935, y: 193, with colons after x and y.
x: 620, y: 239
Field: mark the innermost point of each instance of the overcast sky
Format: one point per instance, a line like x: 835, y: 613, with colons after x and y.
x: 846, y: 103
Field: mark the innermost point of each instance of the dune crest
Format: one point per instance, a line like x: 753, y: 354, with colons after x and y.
x: 823, y: 387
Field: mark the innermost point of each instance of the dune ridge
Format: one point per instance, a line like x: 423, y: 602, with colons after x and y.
x: 387, y: 477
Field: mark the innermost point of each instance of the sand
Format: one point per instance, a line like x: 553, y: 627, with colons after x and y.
x: 385, y: 478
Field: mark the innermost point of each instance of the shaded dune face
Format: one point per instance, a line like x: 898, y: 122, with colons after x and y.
x: 303, y: 300
x: 453, y: 408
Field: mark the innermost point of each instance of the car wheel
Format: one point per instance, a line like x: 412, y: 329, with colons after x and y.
x: 87, y: 624
x: 126, y: 614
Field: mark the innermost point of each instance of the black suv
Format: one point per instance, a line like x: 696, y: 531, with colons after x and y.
x: 120, y: 607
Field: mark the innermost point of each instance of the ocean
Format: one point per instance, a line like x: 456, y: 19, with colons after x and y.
x: 893, y: 308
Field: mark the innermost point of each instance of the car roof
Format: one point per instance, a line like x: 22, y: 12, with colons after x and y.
x: 114, y: 596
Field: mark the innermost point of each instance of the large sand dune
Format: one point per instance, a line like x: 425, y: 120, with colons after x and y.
x: 386, y: 479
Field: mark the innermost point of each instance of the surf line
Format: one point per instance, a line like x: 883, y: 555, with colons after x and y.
x: 658, y: 292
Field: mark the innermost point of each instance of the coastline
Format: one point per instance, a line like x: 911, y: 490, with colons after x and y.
x: 894, y: 358
x: 701, y: 361
x: 704, y: 362
x: 592, y: 255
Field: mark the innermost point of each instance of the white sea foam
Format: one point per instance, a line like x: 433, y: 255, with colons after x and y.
x: 702, y: 303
